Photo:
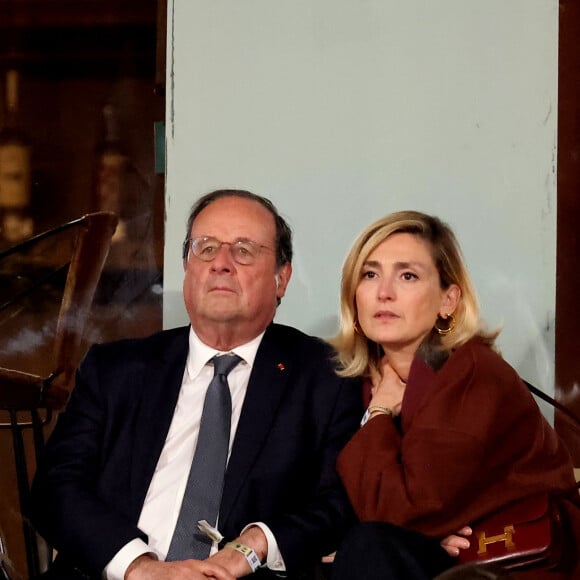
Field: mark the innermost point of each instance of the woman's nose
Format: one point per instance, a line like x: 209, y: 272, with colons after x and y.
x: 386, y: 289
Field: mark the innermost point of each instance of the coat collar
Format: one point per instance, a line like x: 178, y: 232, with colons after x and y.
x: 160, y: 386
x: 420, y: 382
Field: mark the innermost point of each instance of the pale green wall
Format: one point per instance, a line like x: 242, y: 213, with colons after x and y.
x: 342, y: 111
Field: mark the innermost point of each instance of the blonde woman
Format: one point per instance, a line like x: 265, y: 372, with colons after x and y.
x: 451, y: 432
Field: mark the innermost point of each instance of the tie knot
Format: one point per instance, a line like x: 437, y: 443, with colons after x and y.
x: 225, y: 363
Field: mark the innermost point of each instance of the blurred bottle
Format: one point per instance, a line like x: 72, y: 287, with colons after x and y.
x: 16, y: 222
x: 111, y: 169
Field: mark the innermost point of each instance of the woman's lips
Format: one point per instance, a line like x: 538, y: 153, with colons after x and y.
x: 386, y: 314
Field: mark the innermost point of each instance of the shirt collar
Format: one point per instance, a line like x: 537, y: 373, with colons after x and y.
x: 200, y: 353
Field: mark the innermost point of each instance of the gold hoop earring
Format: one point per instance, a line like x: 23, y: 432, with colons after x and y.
x: 450, y: 325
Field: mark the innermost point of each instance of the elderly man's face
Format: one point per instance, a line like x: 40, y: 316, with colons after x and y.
x: 223, y: 296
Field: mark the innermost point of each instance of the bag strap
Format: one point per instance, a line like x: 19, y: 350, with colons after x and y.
x: 572, y: 416
x: 540, y: 394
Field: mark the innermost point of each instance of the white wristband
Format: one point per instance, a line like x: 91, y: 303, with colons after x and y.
x: 249, y: 554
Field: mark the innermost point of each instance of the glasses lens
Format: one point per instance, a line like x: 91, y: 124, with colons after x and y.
x: 244, y: 252
x: 205, y: 248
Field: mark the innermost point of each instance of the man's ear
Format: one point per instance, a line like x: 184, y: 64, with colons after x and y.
x: 282, y: 278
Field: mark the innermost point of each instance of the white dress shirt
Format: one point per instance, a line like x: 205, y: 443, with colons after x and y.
x: 163, y: 500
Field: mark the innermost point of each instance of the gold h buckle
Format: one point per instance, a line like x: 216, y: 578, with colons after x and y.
x: 506, y: 537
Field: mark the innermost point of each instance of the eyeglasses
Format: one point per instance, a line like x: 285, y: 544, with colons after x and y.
x: 242, y: 251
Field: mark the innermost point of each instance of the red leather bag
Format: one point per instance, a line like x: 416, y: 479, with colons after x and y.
x: 522, y: 534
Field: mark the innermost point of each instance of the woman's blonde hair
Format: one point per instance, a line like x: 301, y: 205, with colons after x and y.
x: 355, y: 352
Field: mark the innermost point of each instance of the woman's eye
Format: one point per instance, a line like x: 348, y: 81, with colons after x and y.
x: 368, y: 275
x: 409, y: 276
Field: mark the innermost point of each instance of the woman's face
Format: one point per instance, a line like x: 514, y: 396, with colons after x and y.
x: 399, y: 295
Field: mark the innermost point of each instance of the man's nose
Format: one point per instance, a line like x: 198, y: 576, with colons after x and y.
x: 223, y: 260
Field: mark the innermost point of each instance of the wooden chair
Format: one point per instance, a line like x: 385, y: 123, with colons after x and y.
x: 61, y: 266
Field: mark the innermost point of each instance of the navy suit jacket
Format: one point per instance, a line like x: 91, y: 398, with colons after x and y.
x: 96, y: 468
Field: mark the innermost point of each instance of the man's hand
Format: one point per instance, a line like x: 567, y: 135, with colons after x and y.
x: 454, y: 543
x: 235, y: 562
x: 146, y: 568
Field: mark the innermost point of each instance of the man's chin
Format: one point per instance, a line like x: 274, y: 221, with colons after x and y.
x: 222, y: 311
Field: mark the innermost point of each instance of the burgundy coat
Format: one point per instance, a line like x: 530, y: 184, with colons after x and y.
x: 472, y: 438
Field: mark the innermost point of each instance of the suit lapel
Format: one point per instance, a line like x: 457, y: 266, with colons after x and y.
x: 161, y: 379
x: 268, y: 382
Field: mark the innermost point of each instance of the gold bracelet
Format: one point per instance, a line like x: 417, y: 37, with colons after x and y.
x: 378, y: 409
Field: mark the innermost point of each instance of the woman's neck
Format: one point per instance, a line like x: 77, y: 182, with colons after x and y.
x: 401, y: 362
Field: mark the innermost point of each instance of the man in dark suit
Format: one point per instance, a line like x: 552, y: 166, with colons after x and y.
x: 109, y: 488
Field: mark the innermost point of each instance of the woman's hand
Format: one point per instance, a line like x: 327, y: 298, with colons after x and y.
x: 388, y: 388
x: 453, y: 544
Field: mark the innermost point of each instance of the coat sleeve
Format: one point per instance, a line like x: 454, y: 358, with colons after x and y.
x: 315, y: 527
x: 65, y: 504
x: 476, y: 437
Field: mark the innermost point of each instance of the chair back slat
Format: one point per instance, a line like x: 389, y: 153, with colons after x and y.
x: 50, y: 283
x: 91, y: 250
